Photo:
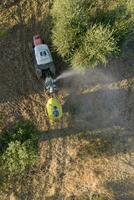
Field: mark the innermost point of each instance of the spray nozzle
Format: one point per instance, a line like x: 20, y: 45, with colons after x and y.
x: 50, y: 84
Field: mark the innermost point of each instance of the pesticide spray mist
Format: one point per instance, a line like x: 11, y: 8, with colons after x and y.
x: 93, y: 101
x: 67, y: 74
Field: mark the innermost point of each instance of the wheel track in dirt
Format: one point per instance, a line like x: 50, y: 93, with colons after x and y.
x: 54, y: 165
x: 61, y: 155
x: 46, y: 167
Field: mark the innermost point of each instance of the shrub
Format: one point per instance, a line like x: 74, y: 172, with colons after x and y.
x: 19, y: 147
x: 19, y: 156
x: 75, y: 23
x: 21, y: 131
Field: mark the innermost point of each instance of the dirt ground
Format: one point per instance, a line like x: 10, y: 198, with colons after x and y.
x: 91, y: 151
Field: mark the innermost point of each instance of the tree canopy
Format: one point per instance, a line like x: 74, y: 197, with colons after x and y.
x: 88, y: 32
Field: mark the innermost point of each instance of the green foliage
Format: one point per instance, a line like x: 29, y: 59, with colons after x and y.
x: 21, y: 131
x: 3, y: 33
x: 19, y: 147
x: 81, y: 26
x: 97, y: 44
x: 18, y: 156
x: 2, y: 117
x: 69, y: 20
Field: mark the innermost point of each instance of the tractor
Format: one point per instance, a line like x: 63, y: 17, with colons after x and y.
x: 45, y: 69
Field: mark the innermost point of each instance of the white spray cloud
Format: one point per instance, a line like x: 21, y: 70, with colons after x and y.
x: 67, y: 74
x: 97, y: 107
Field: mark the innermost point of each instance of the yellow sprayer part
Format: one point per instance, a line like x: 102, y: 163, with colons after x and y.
x: 54, y: 109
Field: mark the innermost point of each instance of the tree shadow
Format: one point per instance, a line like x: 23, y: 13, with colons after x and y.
x: 102, y: 108
x: 122, y: 190
x: 102, y: 118
x: 108, y: 141
x: 8, y: 5
x: 117, y: 138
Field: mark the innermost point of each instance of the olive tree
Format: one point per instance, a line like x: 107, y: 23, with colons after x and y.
x: 88, y: 32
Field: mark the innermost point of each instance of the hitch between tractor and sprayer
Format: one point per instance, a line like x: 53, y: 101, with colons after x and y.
x: 53, y: 106
x: 50, y: 85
